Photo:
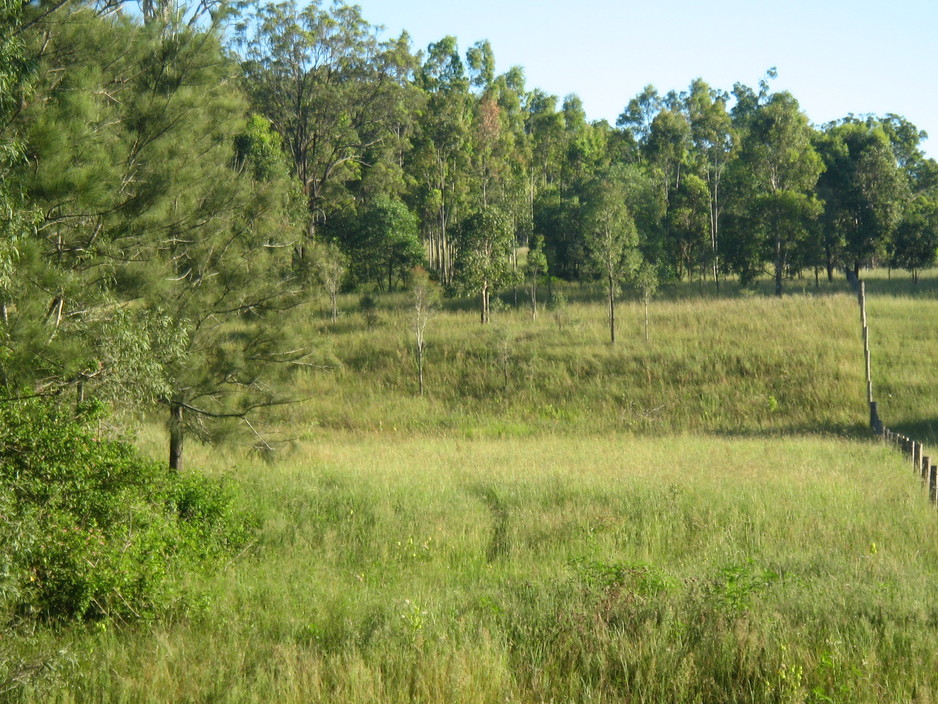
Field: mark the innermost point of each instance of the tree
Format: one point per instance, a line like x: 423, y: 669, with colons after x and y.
x: 915, y: 246
x: 328, y: 87
x: 714, y: 143
x: 639, y: 114
x: 330, y: 266
x: 154, y: 216
x: 535, y: 268
x: 484, y: 245
x: 439, y: 162
x: 781, y: 168
x: 863, y: 189
x: 425, y: 297
x: 382, y: 242
x: 611, y: 239
x: 647, y: 282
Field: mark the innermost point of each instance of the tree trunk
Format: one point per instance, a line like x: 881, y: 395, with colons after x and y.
x: 420, y: 368
x: 612, y: 312
x: 779, y: 266
x: 485, y: 304
x: 175, y: 437
x: 646, y: 319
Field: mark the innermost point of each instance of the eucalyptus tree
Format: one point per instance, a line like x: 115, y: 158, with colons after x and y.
x: 559, y: 210
x: 330, y: 88
x: 779, y: 168
x: 639, y: 113
x: 382, y: 242
x: 863, y: 190
x: 666, y: 151
x: 714, y: 143
x: 439, y: 161
x: 611, y: 238
x: 535, y: 268
x: 915, y: 243
x: 483, y: 255
x: 544, y: 125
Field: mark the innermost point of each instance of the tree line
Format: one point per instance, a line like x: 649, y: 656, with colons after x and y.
x: 173, y: 177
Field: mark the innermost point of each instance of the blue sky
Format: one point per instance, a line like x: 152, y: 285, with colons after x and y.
x: 836, y: 57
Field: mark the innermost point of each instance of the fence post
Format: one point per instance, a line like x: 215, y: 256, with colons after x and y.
x: 916, y: 454
x: 861, y: 294
x: 932, y: 482
x: 868, y: 364
x: 875, y: 422
x: 924, y: 468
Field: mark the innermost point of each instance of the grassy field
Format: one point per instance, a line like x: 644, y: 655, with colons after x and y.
x: 727, y: 365
x: 904, y: 342
x: 553, y: 569
x: 699, y: 518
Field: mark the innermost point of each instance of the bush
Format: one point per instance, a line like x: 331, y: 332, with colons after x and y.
x: 89, y: 529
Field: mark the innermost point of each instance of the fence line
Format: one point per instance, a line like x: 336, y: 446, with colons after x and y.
x: 912, y: 449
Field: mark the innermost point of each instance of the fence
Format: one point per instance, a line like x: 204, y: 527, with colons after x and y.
x: 912, y: 449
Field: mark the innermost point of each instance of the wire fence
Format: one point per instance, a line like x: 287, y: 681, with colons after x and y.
x: 912, y: 449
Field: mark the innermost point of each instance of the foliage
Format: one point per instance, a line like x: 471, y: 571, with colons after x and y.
x: 915, y: 245
x: 382, y: 243
x: 167, y: 221
x: 611, y: 238
x: 485, y: 241
x: 92, y: 530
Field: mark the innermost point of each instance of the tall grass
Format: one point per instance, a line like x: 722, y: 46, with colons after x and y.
x: 699, y: 518
x: 554, y: 569
x: 724, y: 365
x: 902, y: 317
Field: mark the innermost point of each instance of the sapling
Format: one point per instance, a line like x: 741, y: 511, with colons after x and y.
x: 425, y: 296
x: 647, y: 282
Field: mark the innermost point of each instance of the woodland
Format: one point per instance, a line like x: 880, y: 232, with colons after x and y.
x: 175, y: 176
x: 177, y: 181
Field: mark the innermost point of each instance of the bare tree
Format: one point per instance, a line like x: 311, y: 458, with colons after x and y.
x: 425, y: 297
x: 330, y: 265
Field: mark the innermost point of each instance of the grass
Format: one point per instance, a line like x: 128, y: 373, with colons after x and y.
x: 554, y: 569
x: 903, y: 342
x: 716, y: 365
x: 700, y: 518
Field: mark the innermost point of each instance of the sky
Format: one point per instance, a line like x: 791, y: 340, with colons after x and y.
x: 836, y: 57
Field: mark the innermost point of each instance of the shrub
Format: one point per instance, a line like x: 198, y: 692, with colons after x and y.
x: 89, y: 529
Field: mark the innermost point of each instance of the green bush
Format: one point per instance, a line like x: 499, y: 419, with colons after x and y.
x: 89, y: 529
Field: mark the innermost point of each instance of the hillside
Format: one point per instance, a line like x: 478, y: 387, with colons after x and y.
x: 726, y: 365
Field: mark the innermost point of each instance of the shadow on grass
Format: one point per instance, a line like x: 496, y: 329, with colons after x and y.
x: 924, y: 431
x: 899, y: 284
x: 851, y: 431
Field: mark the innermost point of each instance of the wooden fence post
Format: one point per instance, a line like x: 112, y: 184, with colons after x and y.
x: 875, y: 423
x: 924, y: 468
x: 862, y: 300
x: 868, y: 364
x: 932, y: 482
